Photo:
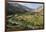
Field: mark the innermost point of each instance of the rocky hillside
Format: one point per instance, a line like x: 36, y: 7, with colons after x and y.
x: 17, y: 8
x: 13, y: 8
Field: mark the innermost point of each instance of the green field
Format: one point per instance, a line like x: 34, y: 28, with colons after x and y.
x: 25, y: 21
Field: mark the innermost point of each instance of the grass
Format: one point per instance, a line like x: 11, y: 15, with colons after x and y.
x: 25, y: 21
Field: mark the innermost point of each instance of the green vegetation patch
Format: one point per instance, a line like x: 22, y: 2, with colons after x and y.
x: 25, y: 21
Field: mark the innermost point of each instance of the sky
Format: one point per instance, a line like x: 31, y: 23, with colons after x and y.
x: 31, y: 5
